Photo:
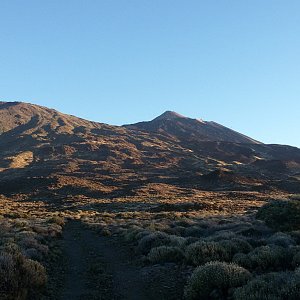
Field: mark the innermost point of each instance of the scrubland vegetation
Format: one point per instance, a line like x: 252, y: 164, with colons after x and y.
x: 166, y: 209
x: 238, y: 247
x: 27, y: 248
x: 237, y: 254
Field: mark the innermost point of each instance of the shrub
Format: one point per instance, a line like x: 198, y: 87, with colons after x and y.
x: 193, y: 231
x: 236, y: 245
x: 281, y: 239
x: 157, y: 239
x: 34, y: 273
x: 54, y: 230
x: 202, y: 252
x: 254, y: 231
x: 130, y: 235
x: 243, y: 260
x: 40, y: 230
x: 31, y: 243
x: 32, y: 254
x: 264, y: 258
x: 178, y: 230
x: 164, y: 254
x: 272, y: 286
x: 242, y: 245
x: 191, y: 240
x: 57, y: 220
x: 221, y: 235
x: 270, y: 258
x: 21, y: 223
x: 19, y: 275
x: 214, y: 279
x: 105, y: 232
x: 26, y: 234
x: 10, y: 247
x: 175, y: 240
x: 281, y: 215
x: 295, y: 197
x: 7, y: 274
x: 141, y: 234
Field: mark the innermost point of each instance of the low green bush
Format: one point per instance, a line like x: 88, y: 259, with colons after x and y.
x: 243, y: 260
x: 221, y: 235
x: 272, y: 286
x: 165, y: 254
x: 130, y: 235
x: 157, y: 239
x: 236, y: 245
x: 214, y: 279
x: 281, y: 215
x: 201, y: 252
x: 270, y: 258
x: 193, y: 231
x: 265, y: 258
x: 281, y: 239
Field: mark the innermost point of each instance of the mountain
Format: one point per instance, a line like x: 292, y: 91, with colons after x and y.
x: 187, y: 129
x: 57, y: 157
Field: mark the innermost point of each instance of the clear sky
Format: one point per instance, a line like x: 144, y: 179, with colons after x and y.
x: 236, y: 62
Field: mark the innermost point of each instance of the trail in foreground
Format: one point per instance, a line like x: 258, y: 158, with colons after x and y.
x: 99, y: 267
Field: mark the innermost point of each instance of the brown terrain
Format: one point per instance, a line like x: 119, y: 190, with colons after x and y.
x: 44, y: 152
x: 90, y: 201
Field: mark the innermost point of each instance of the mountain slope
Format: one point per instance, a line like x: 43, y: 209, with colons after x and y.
x: 16, y: 114
x: 44, y: 153
x: 183, y: 128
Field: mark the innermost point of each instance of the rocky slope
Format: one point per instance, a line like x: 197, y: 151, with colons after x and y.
x: 44, y: 153
x: 187, y: 129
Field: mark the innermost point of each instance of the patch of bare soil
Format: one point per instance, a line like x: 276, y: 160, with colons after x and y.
x: 85, y: 276
x: 101, y: 267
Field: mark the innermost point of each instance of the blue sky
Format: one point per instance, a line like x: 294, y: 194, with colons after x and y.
x: 122, y: 61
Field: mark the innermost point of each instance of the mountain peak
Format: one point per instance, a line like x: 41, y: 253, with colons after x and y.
x: 188, y: 129
x: 170, y: 115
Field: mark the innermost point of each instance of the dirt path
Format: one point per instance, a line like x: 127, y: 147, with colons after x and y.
x: 99, y: 267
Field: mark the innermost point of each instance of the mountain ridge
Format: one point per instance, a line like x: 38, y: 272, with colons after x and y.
x: 44, y: 153
x: 173, y: 123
